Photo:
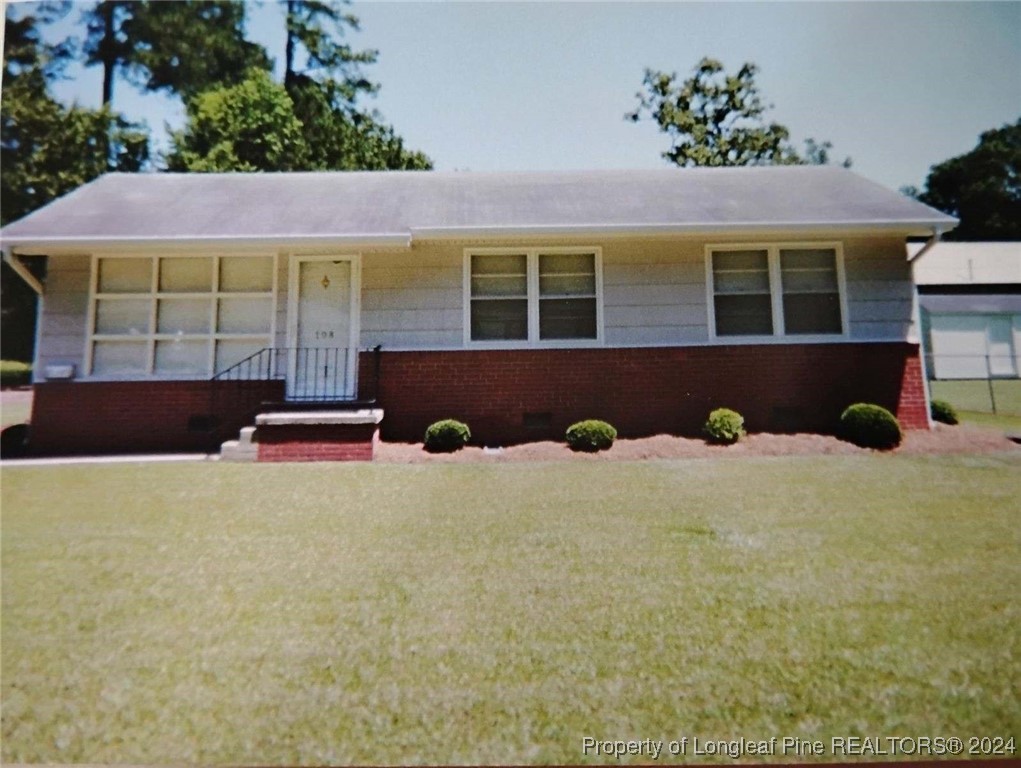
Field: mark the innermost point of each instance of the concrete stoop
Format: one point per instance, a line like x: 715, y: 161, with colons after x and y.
x: 307, y: 436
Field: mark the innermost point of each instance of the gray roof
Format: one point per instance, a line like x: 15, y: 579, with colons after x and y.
x: 350, y: 206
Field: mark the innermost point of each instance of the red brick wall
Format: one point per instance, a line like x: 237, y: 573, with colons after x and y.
x: 316, y: 442
x: 640, y: 391
x: 137, y: 416
x: 646, y: 390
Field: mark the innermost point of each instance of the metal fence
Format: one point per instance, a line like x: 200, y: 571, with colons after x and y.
x: 987, y: 383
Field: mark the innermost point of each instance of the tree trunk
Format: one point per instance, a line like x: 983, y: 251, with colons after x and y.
x: 289, y: 49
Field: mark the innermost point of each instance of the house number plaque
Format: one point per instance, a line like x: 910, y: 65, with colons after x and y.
x: 326, y: 281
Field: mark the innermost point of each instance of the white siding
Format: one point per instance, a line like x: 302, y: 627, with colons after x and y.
x: 64, y: 311
x: 413, y: 300
x: 880, y: 295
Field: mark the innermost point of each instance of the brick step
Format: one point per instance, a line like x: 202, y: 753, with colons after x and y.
x: 319, y: 435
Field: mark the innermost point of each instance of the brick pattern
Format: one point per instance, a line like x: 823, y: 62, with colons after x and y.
x: 641, y: 391
x: 644, y: 391
x: 314, y: 442
x: 141, y: 416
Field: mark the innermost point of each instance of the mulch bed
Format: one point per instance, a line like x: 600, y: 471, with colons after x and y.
x: 941, y: 439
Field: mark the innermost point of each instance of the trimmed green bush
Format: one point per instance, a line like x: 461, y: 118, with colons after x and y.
x: 590, y: 436
x: 870, y: 426
x: 447, y: 436
x: 724, y: 426
x: 15, y: 374
x: 943, y: 412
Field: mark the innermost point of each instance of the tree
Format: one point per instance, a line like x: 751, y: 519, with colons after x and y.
x: 105, y: 41
x: 981, y: 187
x: 46, y: 150
x: 324, y: 78
x: 716, y: 119
x: 189, y: 47
x: 246, y: 127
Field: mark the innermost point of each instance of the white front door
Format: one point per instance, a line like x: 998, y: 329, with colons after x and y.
x: 324, y: 356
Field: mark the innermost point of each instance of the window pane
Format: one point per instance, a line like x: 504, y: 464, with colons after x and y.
x: 723, y: 260
x: 245, y: 315
x: 182, y: 357
x: 499, y: 320
x: 186, y: 275
x: 741, y: 272
x: 749, y: 315
x: 183, y: 316
x: 809, y: 270
x: 741, y: 282
x: 567, y: 319
x: 127, y: 316
x: 499, y: 275
x: 230, y: 352
x: 567, y: 274
x: 117, y: 357
x: 811, y: 313
x: 808, y: 258
x: 125, y: 275
x: 246, y: 273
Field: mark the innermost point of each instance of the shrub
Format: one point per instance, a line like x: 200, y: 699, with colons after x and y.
x: 724, y: 426
x: 870, y: 426
x: 14, y: 441
x: 943, y: 412
x: 447, y: 436
x: 591, y: 435
x: 14, y: 373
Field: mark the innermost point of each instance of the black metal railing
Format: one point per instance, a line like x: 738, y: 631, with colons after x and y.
x: 323, y: 375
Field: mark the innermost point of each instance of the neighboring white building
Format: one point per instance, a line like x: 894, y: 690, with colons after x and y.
x: 970, y: 298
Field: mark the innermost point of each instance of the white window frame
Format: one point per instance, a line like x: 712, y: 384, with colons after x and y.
x: 532, y: 272
x: 153, y: 295
x: 776, y: 292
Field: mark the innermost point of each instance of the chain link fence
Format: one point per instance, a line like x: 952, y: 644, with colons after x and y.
x: 980, y: 383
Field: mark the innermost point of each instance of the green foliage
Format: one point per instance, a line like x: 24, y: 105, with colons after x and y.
x: 447, y: 436
x: 14, y: 373
x: 870, y: 426
x: 186, y: 47
x: 982, y: 187
x: 590, y: 436
x: 246, y: 127
x: 943, y: 412
x: 724, y: 426
x: 716, y: 119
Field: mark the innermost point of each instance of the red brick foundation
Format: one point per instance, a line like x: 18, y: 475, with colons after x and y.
x: 142, y: 416
x: 317, y: 442
x: 520, y: 395
x: 504, y: 396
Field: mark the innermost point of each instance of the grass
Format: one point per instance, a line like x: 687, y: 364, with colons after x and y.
x: 973, y: 395
x: 14, y: 373
x: 311, y: 614
x: 999, y: 420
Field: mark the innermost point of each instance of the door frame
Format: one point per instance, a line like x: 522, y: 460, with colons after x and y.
x: 293, y: 287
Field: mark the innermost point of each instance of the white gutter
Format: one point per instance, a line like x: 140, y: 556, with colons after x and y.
x: 23, y: 272
x: 538, y: 230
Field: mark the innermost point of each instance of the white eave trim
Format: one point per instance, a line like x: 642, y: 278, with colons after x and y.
x: 265, y: 241
x: 751, y: 227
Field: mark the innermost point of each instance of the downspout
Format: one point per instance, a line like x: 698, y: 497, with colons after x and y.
x: 916, y: 314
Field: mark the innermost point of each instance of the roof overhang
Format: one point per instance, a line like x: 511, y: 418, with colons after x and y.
x: 40, y: 245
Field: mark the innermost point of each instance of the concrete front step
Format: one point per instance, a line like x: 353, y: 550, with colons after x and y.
x: 307, y: 436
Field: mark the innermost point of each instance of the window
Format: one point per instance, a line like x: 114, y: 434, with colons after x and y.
x: 180, y: 316
x: 777, y: 290
x: 533, y: 295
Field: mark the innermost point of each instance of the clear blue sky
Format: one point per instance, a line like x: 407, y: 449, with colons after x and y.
x: 533, y: 86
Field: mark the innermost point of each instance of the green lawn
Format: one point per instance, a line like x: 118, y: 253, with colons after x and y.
x: 205, y: 613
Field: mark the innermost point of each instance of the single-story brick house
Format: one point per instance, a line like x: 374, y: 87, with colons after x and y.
x: 176, y: 307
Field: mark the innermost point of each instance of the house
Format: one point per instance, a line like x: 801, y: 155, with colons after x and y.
x: 176, y: 308
x: 970, y: 297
